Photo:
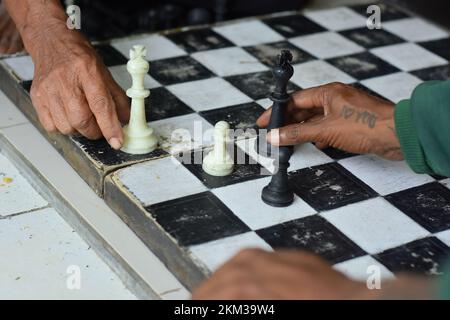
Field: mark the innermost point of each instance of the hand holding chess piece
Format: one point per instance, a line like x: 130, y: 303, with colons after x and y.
x: 139, y: 138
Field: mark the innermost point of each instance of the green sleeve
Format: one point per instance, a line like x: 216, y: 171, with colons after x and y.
x: 422, y: 124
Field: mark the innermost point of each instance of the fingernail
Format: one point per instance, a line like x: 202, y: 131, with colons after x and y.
x: 273, y: 136
x: 115, y: 143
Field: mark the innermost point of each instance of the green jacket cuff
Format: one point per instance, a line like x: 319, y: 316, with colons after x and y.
x: 409, y: 139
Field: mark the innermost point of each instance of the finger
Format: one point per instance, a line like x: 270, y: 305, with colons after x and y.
x: 121, y: 100
x: 295, y: 134
x: 58, y: 114
x: 44, y: 116
x: 80, y: 116
x: 322, y: 145
x: 103, y: 107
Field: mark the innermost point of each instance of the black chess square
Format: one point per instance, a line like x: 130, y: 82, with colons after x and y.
x: 293, y: 25
x: 177, y: 70
x: 197, y: 219
x: 245, y: 168
x: 110, y: 56
x: 337, y: 154
x: 388, y: 11
x: 440, y: 47
x: 428, y: 205
x: 426, y: 256
x: 258, y: 85
x: 101, y: 151
x: 314, y: 234
x: 27, y: 85
x: 163, y: 104
x: 370, y: 39
x: 199, y: 40
x: 329, y: 186
x: 240, y: 117
x: 433, y: 73
x: 363, y: 65
x: 267, y: 53
x: 360, y: 86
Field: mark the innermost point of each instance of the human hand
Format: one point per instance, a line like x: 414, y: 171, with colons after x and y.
x: 340, y: 116
x: 73, y: 91
x: 292, y: 275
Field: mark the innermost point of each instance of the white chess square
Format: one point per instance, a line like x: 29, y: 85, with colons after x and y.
x: 265, y: 103
x: 318, y: 72
x: 22, y: 66
x: 375, y: 225
x: 123, y: 78
x: 305, y: 155
x: 248, y: 33
x: 325, y: 45
x: 244, y: 199
x: 384, y: 176
x: 337, y: 19
x: 229, y: 61
x: 446, y: 183
x: 153, y: 181
x: 361, y: 268
x: 215, y: 253
x: 444, y: 236
x: 183, y: 133
x: 158, y: 47
x: 208, y: 94
x: 414, y: 29
x: 408, y: 56
x: 395, y: 87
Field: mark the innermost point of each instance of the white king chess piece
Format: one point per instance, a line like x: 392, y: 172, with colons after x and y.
x: 218, y: 162
x: 139, y: 138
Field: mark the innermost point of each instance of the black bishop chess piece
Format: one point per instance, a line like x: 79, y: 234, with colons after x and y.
x: 278, y: 193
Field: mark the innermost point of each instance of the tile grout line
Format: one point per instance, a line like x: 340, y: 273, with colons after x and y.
x: 49, y: 206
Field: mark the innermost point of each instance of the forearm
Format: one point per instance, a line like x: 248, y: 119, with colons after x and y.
x: 36, y: 20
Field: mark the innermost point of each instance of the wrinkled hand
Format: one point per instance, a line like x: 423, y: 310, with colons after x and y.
x: 10, y: 40
x: 256, y: 274
x: 73, y: 91
x: 340, y: 116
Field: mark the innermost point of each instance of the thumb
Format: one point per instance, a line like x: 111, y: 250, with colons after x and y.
x: 295, y: 134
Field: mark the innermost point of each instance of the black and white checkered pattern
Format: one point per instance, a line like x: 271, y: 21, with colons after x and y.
x: 354, y: 210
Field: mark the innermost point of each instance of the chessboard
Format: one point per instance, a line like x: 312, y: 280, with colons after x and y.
x: 353, y: 210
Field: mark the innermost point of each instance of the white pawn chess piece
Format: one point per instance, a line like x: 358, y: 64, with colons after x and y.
x: 218, y: 162
x: 139, y: 138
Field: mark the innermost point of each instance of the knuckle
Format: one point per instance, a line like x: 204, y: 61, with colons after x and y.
x: 81, y: 122
x: 100, y: 104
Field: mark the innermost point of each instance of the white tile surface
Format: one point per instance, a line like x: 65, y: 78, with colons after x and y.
x: 38, y: 248
x: 208, y: 94
x: 265, y: 103
x: 337, y: 18
x: 408, y: 56
x: 158, y: 47
x: 229, y: 61
x: 414, y: 29
x: 9, y: 114
x: 395, y: 87
x: 375, y: 225
x: 317, y: 72
x: 446, y: 183
x: 123, y: 78
x: 384, y: 176
x: 183, y: 133
x: 248, y: 33
x: 153, y: 181
x: 244, y: 199
x: 214, y: 254
x: 22, y: 66
x: 359, y: 269
x: 326, y: 45
x: 16, y: 194
x: 444, y: 236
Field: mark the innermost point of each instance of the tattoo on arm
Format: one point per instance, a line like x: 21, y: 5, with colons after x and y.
x: 365, y: 117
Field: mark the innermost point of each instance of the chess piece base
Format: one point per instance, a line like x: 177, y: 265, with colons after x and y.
x: 143, y: 143
x: 217, y: 169
x: 275, y: 198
